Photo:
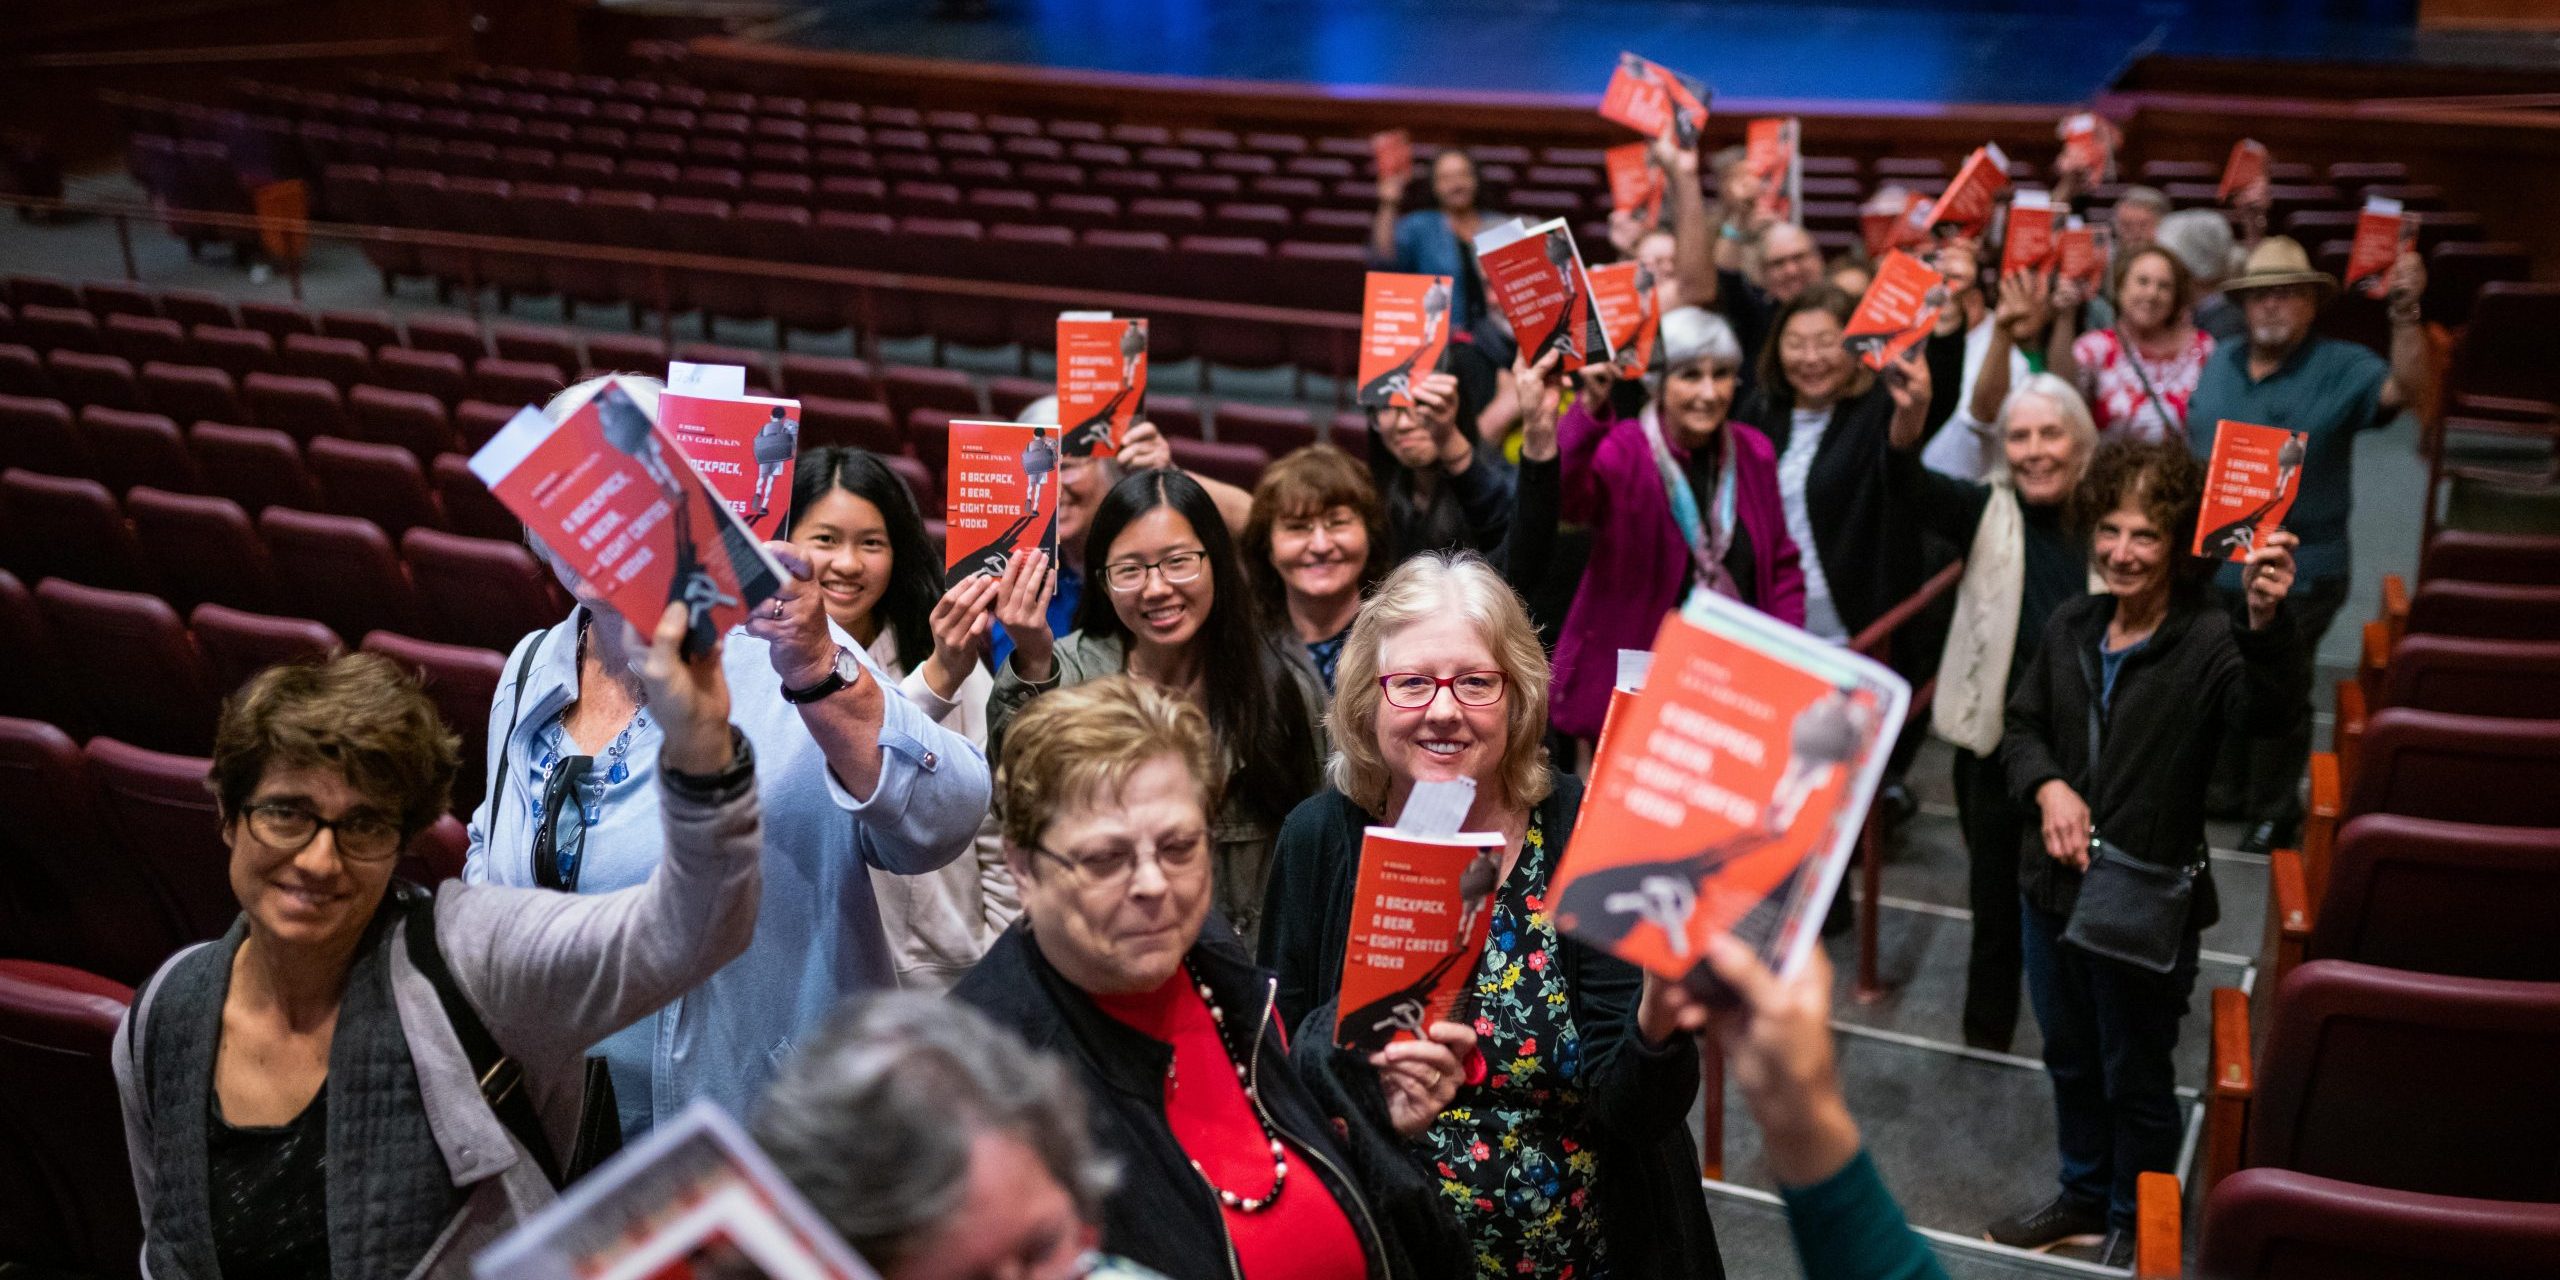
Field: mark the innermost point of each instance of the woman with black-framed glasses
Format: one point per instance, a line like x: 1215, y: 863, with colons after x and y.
x: 1571, y: 1156
x: 1173, y: 609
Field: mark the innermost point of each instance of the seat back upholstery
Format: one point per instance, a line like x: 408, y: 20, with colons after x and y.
x: 2511, y: 679
x: 2274, y: 1224
x: 2436, y: 764
x: 2443, y: 897
x: 66, y: 1191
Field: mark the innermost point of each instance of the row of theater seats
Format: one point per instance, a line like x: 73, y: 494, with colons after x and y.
x: 2401, y: 1116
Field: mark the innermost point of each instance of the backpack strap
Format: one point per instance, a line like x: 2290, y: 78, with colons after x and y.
x: 501, y: 1078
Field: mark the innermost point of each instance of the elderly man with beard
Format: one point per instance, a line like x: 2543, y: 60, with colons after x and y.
x: 2286, y: 376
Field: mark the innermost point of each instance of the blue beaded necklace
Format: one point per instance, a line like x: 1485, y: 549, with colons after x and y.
x: 556, y: 736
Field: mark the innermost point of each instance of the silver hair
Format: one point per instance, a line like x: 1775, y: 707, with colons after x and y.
x: 1043, y: 411
x: 2202, y: 240
x: 1695, y: 333
x: 874, y: 1119
x: 2065, y: 400
x: 2141, y: 197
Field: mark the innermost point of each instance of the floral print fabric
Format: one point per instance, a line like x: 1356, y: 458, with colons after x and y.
x: 1512, y: 1153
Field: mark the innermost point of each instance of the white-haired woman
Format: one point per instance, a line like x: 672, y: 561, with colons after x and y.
x: 1571, y: 1155
x: 1676, y: 497
x: 2022, y: 562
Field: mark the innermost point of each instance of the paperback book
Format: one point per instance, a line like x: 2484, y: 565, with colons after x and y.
x: 1636, y: 183
x: 1771, y: 150
x: 2249, y: 484
x: 1536, y: 278
x: 1102, y: 381
x: 1404, y: 334
x: 1420, y: 911
x: 1967, y: 203
x: 2246, y: 168
x: 2028, y: 244
x: 1000, y: 497
x: 746, y: 446
x: 1649, y: 97
x: 1899, y: 308
x: 1630, y: 307
x: 2381, y: 232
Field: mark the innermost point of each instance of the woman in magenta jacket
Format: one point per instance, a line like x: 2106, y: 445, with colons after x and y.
x: 1675, y: 497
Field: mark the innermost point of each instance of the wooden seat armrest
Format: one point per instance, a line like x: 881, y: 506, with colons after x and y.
x: 2395, y: 608
x: 2158, y: 1253
x: 2289, y: 911
x: 2227, y: 1094
x: 2320, y: 825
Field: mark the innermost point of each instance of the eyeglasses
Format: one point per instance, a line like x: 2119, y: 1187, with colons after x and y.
x: 1182, y: 566
x: 1111, y: 868
x: 290, y: 828
x: 1413, y: 690
x: 1337, y: 523
x: 558, y: 847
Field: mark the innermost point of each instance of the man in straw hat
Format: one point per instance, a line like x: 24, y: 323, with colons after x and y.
x: 2284, y: 375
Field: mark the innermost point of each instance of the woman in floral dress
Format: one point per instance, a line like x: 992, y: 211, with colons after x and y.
x: 1568, y: 1155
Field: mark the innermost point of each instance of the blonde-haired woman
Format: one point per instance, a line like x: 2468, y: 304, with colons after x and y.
x: 2022, y: 562
x: 1570, y: 1155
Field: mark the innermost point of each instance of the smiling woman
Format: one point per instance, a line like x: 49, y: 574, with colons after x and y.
x: 1317, y: 538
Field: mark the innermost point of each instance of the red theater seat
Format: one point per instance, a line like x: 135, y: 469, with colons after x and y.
x: 341, y: 570
x: 380, y: 482
x: 191, y: 393
x: 204, y: 549
x: 481, y: 591
x: 238, y: 644
x: 38, y: 434
x: 84, y: 379
x: 469, y: 509
x: 463, y: 682
x: 304, y: 408
x: 62, y: 1166
x: 138, y: 449
x: 70, y: 528
x: 412, y: 420
x: 107, y: 636
x: 257, y: 467
x: 165, y: 820
x: 342, y: 362
x: 2275, y: 1224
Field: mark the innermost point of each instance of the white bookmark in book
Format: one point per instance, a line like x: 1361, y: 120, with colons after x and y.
x: 1437, y: 808
x: 1633, y: 666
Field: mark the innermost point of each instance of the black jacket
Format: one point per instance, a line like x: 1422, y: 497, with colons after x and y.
x: 2201, y: 677
x: 1860, y: 530
x: 1163, y: 1215
x: 1651, y: 1207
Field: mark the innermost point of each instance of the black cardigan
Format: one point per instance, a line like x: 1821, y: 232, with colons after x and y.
x: 1859, y: 529
x: 1163, y: 1215
x: 2203, y: 676
x: 1652, y: 1209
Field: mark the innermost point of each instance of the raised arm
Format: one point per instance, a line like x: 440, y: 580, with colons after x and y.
x: 2059, y: 358
x: 1382, y: 231
x: 1693, y: 233
x: 2412, y: 383
x: 2024, y: 311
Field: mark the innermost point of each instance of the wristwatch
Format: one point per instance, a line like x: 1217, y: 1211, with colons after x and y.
x: 847, y: 673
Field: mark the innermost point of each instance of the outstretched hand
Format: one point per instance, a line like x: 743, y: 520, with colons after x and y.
x: 1144, y: 448
x: 960, y: 620
x: 689, y: 698
x: 1776, y: 1042
x: 794, y: 622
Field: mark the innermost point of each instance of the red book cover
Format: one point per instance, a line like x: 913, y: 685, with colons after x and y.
x: 612, y: 495
x: 1404, y: 332
x: 1731, y: 794
x: 1630, y: 313
x: 2380, y: 231
x: 1000, y: 496
x: 747, y: 447
x: 2247, y: 166
x: 1899, y: 308
x: 1419, y: 914
x: 1648, y: 97
x: 2029, y: 243
x: 1918, y: 221
x: 1880, y: 217
x: 2089, y: 145
x: 2081, y: 255
x: 1770, y: 149
x: 1102, y: 380
x: 1535, y: 276
x: 1393, y: 151
x: 1970, y: 195
x: 1635, y: 181
x: 2249, y: 484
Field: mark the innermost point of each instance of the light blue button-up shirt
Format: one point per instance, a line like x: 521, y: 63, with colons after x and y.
x: 818, y: 936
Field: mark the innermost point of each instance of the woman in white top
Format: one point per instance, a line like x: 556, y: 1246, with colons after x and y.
x: 879, y: 574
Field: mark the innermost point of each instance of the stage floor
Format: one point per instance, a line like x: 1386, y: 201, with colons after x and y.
x: 1987, y: 51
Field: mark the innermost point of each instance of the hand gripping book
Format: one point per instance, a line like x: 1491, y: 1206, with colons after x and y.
x: 2080, y: 254
x: 1771, y: 150
x: 1102, y: 381
x: 2381, y: 230
x: 694, y: 1200
x: 1731, y: 794
x: 1899, y: 308
x: 1630, y: 308
x: 2089, y: 145
x: 1649, y: 97
x: 1392, y: 149
x: 1968, y: 200
x: 2246, y: 167
x: 746, y: 446
x: 1419, y: 914
x: 613, y: 496
x: 1404, y: 334
x: 2028, y: 244
x: 2250, y: 482
x: 1000, y: 497
x: 1535, y: 276
x: 1636, y: 181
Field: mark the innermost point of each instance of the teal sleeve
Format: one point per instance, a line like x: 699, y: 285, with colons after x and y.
x: 1847, y: 1227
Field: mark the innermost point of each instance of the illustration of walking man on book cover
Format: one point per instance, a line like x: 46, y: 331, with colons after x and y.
x: 776, y: 444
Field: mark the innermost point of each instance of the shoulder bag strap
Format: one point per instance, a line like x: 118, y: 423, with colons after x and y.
x: 499, y: 770
x: 2133, y: 360
x: 501, y: 1078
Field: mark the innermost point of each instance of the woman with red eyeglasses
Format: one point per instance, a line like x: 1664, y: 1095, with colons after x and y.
x: 1569, y: 1155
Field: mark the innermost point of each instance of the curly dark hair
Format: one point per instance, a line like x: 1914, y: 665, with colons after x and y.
x: 359, y: 714
x: 2160, y: 477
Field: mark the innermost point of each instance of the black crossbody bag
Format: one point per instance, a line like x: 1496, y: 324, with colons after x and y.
x: 2129, y: 909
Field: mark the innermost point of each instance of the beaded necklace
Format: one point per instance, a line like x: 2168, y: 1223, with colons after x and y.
x: 1253, y: 1095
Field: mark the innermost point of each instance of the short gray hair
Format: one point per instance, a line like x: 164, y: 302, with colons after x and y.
x: 2201, y: 238
x: 2066, y: 402
x: 874, y: 1118
x: 1695, y: 333
x: 2141, y: 197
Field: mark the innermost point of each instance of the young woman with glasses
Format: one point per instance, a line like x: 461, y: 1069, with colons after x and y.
x: 1174, y: 610
x: 1570, y: 1154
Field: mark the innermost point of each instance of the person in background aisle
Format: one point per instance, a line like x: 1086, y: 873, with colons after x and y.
x: 2201, y: 239
x: 2110, y: 736
x: 1677, y: 497
x: 1776, y: 1043
x: 2022, y: 562
x: 2137, y: 376
x: 2136, y: 217
x: 1849, y: 274
x: 1963, y: 445
x: 1441, y: 240
x: 1314, y: 543
x: 939, y: 1146
x: 882, y: 583
x: 2286, y: 376
x: 298, y: 1101
x: 1571, y: 1157
x: 1247, y: 1152
x: 1442, y: 489
x: 854, y: 777
x: 1174, y: 609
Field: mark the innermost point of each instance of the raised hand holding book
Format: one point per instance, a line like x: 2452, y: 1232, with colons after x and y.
x: 2250, y: 482
x: 1421, y: 909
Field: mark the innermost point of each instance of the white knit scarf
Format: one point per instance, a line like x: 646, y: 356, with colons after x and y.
x: 1973, y: 675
